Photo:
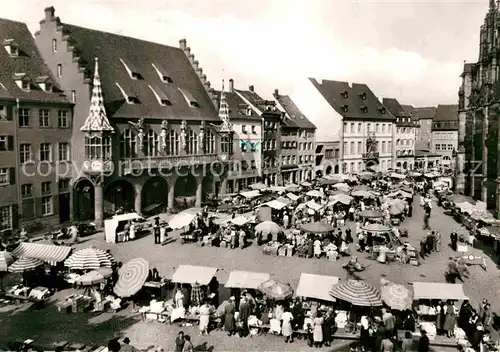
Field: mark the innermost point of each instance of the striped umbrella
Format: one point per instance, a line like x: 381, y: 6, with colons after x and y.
x: 89, y: 259
x: 396, y: 296
x: 357, y: 292
x: 276, y: 290
x: 25, y: 264
x: 268, y: 227
x: 94, y: 277
x: 5, y: 260
x: 132, y: 276
x: 197, y: 295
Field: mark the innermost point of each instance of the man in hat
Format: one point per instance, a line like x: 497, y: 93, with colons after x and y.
x: 126, y: 347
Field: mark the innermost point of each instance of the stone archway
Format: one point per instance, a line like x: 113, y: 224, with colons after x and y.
x: 328, y: 170
x: 405, y: 165
x: 83, y: 200
x: 398, y: 165
x: 185, y: 191
x: 119, y: 196
x: 154, y: 196
x: 336, y: 170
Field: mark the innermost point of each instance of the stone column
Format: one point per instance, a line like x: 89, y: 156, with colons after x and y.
x: 98, y: 205
x: 223, y: 186
x: 138, y: 199
x: 171, y: 199
x: 199, y: 190
x: 484, y: 182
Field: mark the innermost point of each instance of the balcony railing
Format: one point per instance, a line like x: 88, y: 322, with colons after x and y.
x: 97, y: 166
x: 167, y: 162
x: 371, y: 155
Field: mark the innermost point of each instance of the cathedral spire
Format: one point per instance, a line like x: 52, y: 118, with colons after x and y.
x: 224, y: 112
x: 97, y: 121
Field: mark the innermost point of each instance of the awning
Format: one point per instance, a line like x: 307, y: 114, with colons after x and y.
x: 246, y: 279
x: 47, y: 252
x: 275, y: 205
x: 306, y: 184
x: 258, y: 186
x: 437, y: 290
x: 292, y: 196
x: 284, y: 200
x: 397, y: 175
x: 250, y: 194
x: 277, y: 189
x: 240, y: 220
x: 316, y: 286
x: 313, y: 205
x: 127, y: 217
x: 191, y: 274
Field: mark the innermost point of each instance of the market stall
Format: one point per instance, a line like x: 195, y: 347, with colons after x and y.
x: 114, y: 227
x: 48, y: 253
x: 246, y: 279
x: 316, y: 287
x: 193, y: 274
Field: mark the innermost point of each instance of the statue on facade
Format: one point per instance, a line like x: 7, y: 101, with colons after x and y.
x: 371, y: 145
x: 183, y: 133
x: 163, y: 134
x: 140, y: 128
x: 201, y: 137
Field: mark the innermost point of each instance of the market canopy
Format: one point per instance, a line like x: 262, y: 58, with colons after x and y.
x: 49, y: 253
x: 192, y: 274
x: 437, y: 290
x: 274, y: 204
x: 246, y: 279
x: 317, y: 227
x: 313, y: 205
x: 258, y: 186
x: 292, y: 187
x: 277, y: 189
x: 127, y: 217
x: 240, y: 220
x: 250, y: 194
x: 314, y: 193
x: 132, y: 276
x: 292, y: 196
x: 316, y: 286
x: 358, y: 293
x: 342, y: 198
x: 397, y: 175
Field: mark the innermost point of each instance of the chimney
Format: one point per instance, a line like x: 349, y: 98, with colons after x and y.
x: 196, y: 65
x: 49, y: 13
x: 191, y: 58
x: 187, y: 51
x: 276, y: 94
x: 203, y: 79
x: 183, y: 44
x: 251, y: 88
x: 207, y: 84
x: 199, y: 72
x: 231, y: 86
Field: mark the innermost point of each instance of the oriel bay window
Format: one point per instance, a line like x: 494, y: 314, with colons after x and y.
x: 128, y: 148
x: 226, y: 144
x: 151, y: 144
x: 97, y: 147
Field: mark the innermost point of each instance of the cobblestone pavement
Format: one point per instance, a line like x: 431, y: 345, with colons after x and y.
x: 481, y: 284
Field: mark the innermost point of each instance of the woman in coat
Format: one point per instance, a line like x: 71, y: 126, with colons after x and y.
x: 328, y: 328
x: 318, y: 330
x: 229, y: 325
x: 286, y: 328
x: 450, y: 320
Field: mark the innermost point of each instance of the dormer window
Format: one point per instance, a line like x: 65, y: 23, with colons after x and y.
x: 364, y: 109
x: 344, y: 94
x: 249, y: 111
x: 189, y: 98
x: 363, y: 96
x: 345, y: 108
x: 45, y: 83
x: 382, y: 110
x: 130, y: 97
x: 160, y: 96
x: 397, y: 119
x: 23, y: 81
x: 11, y: 46
x: 165, y: 78
x: 132, y: 72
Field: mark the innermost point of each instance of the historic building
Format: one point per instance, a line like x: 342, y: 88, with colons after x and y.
x: 297, y: 141
x: 327, y: 158
x: 479, y: 97
x: 35, y: 136
x: 146, y: 134
x: 271, y: 118
x: 404, y: 138
x: 367, y: 130
x: 245, y: 167
x: 423, y: 116
x: 444, y: 140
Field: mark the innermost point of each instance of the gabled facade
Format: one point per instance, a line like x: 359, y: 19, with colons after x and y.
x: 444, y: 139
x: 297, y: 141
x: 327, y: 157
x: 271, y: 134
x: 367, y: 127
x: 245, y: 167
x: 35, y: 137
x: 167, y: 140
x: 404, y: 136
x: 423, y: 116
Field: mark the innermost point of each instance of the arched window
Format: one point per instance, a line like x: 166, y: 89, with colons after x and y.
x: 192, y: 143
x: 151, y: 144
x: 173, y: 143
x: 128, y: 144
x: 209, y: 143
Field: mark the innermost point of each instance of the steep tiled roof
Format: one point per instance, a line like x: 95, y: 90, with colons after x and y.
x: 352, y: 102
x: 238, y: 107
x: 424, y: 113
x: 28, y: 62
x: 408, y: 108
x: 151, y: 63
x: 295, y: 117
x: 394, y: 107
x: 446, y: 113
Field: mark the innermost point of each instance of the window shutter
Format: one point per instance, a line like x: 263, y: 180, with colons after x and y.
x: 15, y: 217
x: 10, y: 143
x: 9, y: 112
x: 12, y: 176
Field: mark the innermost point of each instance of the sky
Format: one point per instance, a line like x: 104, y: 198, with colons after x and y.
x: 410, y: 50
